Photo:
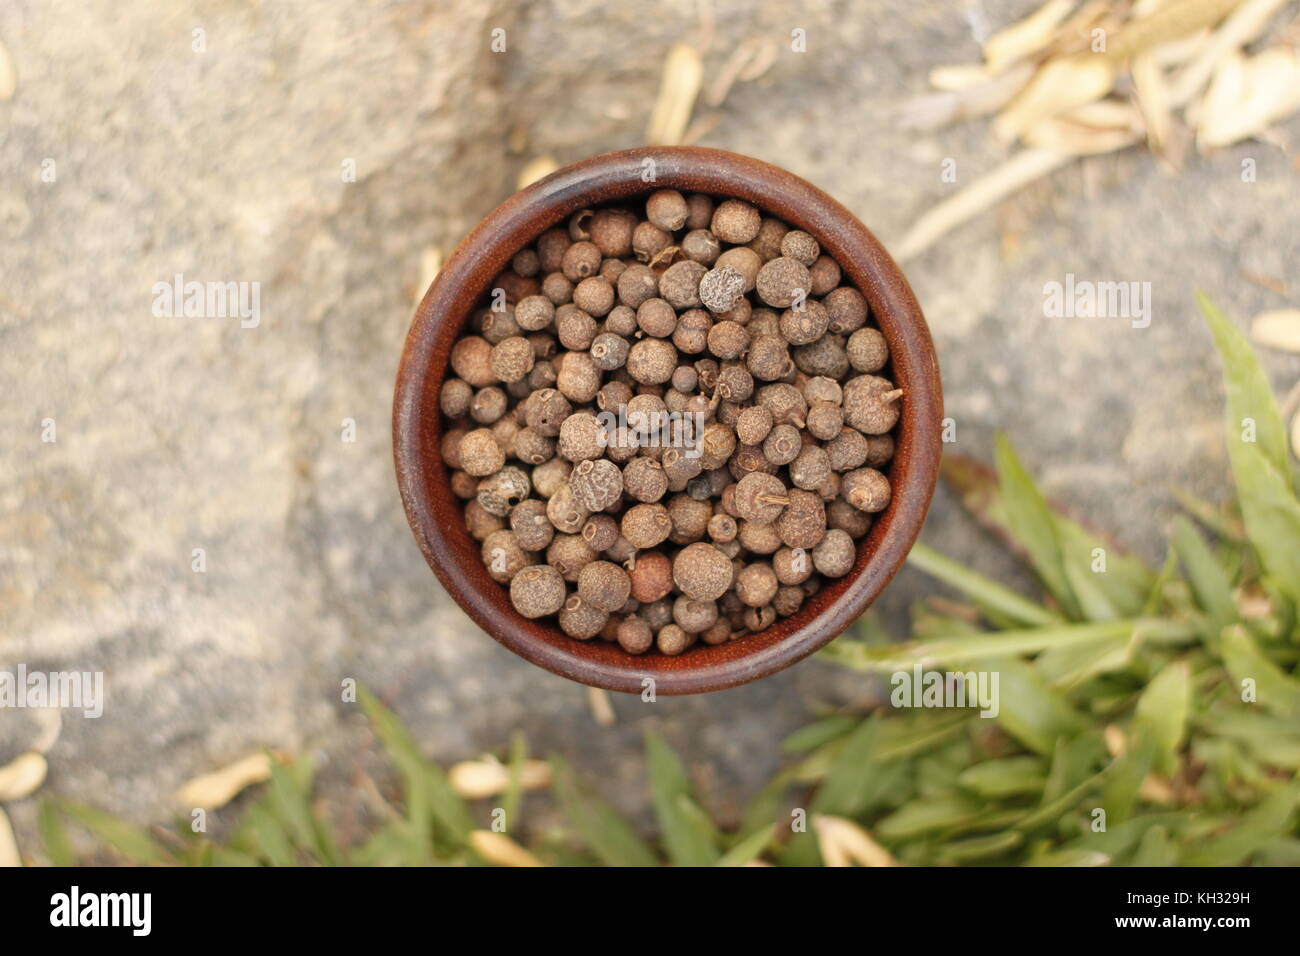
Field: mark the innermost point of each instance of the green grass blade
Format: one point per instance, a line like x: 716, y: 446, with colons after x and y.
x: 986, y: 593
x: 1274, y: 689
x: 1164, y: 709
x: 1256, y: 829
x: 819, y: 732
x: 1030, y: 710
x: 687, y: 840
x: 514, y: 795
x: 1248, y: 390
x: 1005, y: 777
x: 1032, y: 523
x: 448, y: 809
x: 611, y: 838
x: 1210, y: 584
x: 131, y: 841
x: 55, y: 836
x: 748, y: 849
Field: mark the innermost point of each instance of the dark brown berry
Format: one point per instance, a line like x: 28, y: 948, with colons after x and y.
x: 537, y: 591
x: 783, y: 282
x: 701, y: 571
x: 736, y: 222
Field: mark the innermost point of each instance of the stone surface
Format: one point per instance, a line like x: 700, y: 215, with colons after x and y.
x: 182, y: 433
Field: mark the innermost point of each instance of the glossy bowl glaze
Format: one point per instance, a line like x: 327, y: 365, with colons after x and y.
x: 435, y: 513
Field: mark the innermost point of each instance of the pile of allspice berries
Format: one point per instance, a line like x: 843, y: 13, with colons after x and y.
x: 668, y: 423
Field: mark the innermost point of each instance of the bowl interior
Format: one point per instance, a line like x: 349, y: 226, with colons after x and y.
x: 435, y: 513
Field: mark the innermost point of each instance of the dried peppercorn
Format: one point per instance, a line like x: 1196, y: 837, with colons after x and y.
x: 701, y: 246
x: 649, y: 242
x: 611, y: 231
x: 565, y: 512
x: 569, y: 554
x: 578, y: 378
x: 503, y: 557
x: 596, y: 485
x: 667, y: 209
x: 835, y: 555
x: 480, y: 455
x: 771, y: 233
x: 532, y: 529
x: 580, y: 619
x: 802, y: 524
x: 580, y: 260
x: 680, y: 284
x: 871, y: 404
x: 760, y: 497
x: 702, y: 572
x: 644, y: 479
x: 867, y: 350
x: 782, y: 444
x: 646, y: 525
x: 825, y: 420
x: 635, y: 635
x: 537, y: 590
x: 847, y: 310
x: 798, y: 245
x: 699, y: 210
x: 601, y: 532
x: 735, y: 221
x: 783, y: 282
x: 866, y: 489
x: 502, y: 490
x: 489, y: 404
x: 720, y: 288
x: 455, y: 397
x: 756, y: 584
x: 581, y: 437
x: 604, y: 585
x: 609, y: 351
x: 672, y: 640
x: 652, y: 361
x: 651, y: 577
x: 480, y: 521
x: 471, y: 360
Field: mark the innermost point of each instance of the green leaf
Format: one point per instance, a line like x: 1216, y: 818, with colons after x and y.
x: 973, y: 849
x: 1248, y: 390
x: 1256, y: 829
x: 1029, y: 709
x: 920, y: 818
x: 611, y: 838
x: 959, y: 650
x: 1274, y: 689
x: 289, y: 797
x: 514, y: 795
x: 987, y: 594
x: 1032, y: 523
x: 55, y: 836
x: 131, y: 841
x: 1209, y: 582
x: 687, y: 841
x: 1119, y: 792
x: 820, y: 732
x: 1156, y: 849
x: 855, y: 780
x: 271, y: 840
x: 448, y: 809
x: 748, y: 849
x: 1007, y: 777
x: 1164, y: 708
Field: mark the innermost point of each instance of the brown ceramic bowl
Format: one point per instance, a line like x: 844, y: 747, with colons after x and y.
x: 435, y: 513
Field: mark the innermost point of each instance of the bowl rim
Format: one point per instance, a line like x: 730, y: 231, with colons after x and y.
x: 423, y: 480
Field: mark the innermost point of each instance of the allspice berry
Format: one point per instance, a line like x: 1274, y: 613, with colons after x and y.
x: 672, y: 640
x: 652, y: 361
x: 760, y: 497
x: 754, y: 424
x: 565, y: 512
x: 736, y: 222
x: 756, y: 584
x: 569, y: 554
x: 868, y: 351
x: 644, y: 479
x: 634, y: 635
x: 455, y: 397
x: 798, y: 245
x: 866, y: 489
x: 803, y: 522
x: 580, y: 619
x: 480, y: 455
x: 535, y: 312
x: 532, y: 529
x: 847, y: 309
x: 782, y: 444
x: 512, y: 359
x: 471, y: 360
x: 666, y: 208
x: 601, y: 532
x: 537, y: 590
x: 604, y: 585
x: 835, y: 555
x: 872, y: 404
x: 680, y: 284
x: 582, y: 437
x: 651, y: 577
x: 503, y: 557
x: 720, y: 288
x: 502, y: 490
x: 646, y: 525
x: 782, y: 282
x: 596, y: 484
x: 701, y: 571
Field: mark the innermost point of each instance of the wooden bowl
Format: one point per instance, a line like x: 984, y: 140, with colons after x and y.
x: 435, y: 513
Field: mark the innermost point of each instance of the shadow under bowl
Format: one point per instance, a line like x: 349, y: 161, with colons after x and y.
x: 435, y: 514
